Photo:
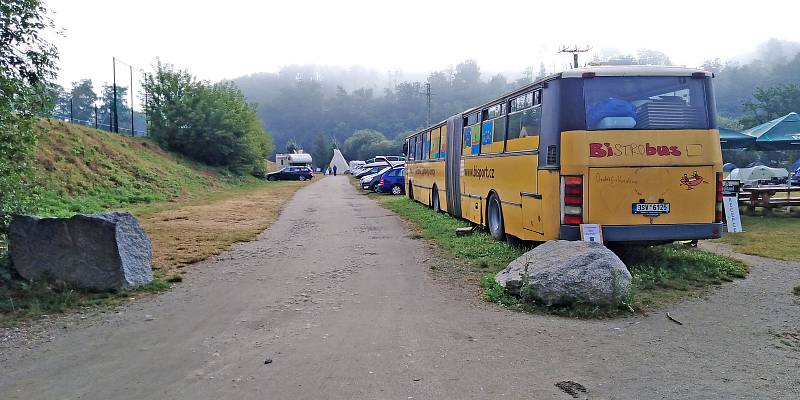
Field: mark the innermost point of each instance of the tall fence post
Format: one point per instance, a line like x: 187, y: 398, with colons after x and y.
x: 133, y: 133
x: 95, y: 116
x: 115, y: 121
x: 71, y: 119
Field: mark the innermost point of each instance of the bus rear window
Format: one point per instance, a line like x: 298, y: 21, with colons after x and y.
x: 645, y: 102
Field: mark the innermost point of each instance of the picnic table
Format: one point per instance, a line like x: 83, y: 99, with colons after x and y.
x: 764, y: 196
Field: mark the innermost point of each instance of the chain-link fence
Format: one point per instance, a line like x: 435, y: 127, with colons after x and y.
x: 120, y: 105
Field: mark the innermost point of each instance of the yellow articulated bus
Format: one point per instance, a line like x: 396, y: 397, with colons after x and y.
x: 634, y: 149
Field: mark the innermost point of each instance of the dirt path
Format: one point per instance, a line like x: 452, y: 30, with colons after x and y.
x: 343, y: 303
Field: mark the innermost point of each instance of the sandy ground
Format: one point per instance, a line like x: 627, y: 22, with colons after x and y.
x: 343, y: 303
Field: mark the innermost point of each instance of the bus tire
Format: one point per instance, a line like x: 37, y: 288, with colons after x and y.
x: 494, y: 218
x: 437, y: 207
x: 410, y: 191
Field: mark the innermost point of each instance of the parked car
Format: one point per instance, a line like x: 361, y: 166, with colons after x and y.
x: 392, y: 181
x: 291, y: 174
x: 370, y: 182
x: 370, y: 170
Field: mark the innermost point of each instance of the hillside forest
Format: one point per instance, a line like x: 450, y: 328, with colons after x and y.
x: 366, y: 113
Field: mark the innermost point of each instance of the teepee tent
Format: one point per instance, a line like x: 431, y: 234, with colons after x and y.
x: 339, y: 161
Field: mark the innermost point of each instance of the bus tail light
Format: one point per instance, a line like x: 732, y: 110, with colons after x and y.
x: 572, y: 200
x: 718, y: 205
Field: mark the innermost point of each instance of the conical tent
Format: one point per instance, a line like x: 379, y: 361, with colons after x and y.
x: 731, y: 139
x: 339, y: 161
x: 779, y: 134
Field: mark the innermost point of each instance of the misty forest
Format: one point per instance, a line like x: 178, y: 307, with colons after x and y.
x: 366, y: 113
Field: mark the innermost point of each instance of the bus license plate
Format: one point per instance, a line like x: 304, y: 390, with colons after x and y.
x: 650, y: 208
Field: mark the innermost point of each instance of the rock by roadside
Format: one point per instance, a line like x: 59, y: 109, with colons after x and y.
x: 560, y: 271
x: 94, y: 251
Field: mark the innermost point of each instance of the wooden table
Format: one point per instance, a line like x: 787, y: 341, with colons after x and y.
x: 763, y: 196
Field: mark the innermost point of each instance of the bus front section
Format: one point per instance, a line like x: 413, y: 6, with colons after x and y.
x: 645, y: 161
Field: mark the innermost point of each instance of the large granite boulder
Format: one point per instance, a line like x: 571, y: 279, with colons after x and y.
x: 97, y: 251
x: 562, y: 272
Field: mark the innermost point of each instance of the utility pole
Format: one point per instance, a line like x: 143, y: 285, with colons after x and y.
x: 115, y: 117
x: 95, y: 116
x: 146, y: 111
x: 427, y: 93
x: 71, y: 120
x: 133, y: 133
x: 575, y: 50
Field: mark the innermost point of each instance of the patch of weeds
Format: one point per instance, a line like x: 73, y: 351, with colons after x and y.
x: 175, y: 279
x: 660, y: 274
x: 22, y: 299
x: 796, y: 290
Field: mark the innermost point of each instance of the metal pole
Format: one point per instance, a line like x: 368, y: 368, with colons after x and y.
x: 428, y: 94
x: 131, y: 93
x: 146, y: 111
x: 70, y: 111
x: 575, y: 59
x: 115, y: 117
x: 95, y: 116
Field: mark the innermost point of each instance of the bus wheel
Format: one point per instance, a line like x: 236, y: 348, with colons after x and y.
x: 435, y: 200
x: 495, y: 218
x: 410, y: 191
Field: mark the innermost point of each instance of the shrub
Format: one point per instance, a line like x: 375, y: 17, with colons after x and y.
x: 211, y: 123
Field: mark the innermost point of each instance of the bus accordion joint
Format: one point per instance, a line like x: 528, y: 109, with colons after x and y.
x: 718, y: 206
x: 572, y: 200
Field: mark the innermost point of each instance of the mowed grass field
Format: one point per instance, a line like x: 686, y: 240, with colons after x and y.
x: 773, y: 236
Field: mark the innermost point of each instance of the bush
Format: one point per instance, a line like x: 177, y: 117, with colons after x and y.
x: 212, y: 124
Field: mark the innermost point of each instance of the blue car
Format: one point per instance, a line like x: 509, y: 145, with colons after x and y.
x: 392, y: 181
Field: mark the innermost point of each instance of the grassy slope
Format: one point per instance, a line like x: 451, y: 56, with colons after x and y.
x: 190, y: 211
x: 83, y: 170
x: 661, y: 274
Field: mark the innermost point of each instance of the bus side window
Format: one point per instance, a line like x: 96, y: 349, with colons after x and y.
x: 418, y: 151
x: 524, y: 122
x: 434, y: 153
x: 443, y: 144
x: 426, y: 147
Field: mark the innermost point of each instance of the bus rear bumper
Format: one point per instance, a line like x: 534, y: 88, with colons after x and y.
x: 634, y: 233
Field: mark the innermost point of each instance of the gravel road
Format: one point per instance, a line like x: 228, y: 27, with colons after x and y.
x: 343, y: 303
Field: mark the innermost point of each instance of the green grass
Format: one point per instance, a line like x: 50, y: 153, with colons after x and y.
x: 661, y: 274
x: 773, y: 236
x: 84, y: 170
x: 21, y: 300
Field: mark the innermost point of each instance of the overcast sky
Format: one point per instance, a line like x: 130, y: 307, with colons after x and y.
x: 226, y: 39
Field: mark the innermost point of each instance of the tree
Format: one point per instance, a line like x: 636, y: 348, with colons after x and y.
x: 27, y: 64
x: 83, y: 100
x: 770, y: 103
x: 212, y: 124
x: 292, y: 147
x: 323, y: 151
x: 105, y: 110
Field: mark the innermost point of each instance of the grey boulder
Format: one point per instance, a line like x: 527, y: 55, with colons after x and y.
x: 563, y: 272
x: 90, y: 251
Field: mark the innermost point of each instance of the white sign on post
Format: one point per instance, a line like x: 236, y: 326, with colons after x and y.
x: 730, y: 202
x: 592, y: 233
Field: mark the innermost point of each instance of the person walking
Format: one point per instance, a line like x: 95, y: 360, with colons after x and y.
x: 334, y: 170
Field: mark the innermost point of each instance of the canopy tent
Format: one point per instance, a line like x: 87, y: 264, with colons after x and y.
x: 339, y: 161
x: 728, y: 167
x: 731, y: 139
x: 779, y: 134
x: 754, y: 175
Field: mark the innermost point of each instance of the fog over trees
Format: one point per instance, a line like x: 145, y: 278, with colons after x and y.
x: 321, y: 106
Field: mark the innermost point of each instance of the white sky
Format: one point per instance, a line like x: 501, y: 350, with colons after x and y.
x: 226, y: 39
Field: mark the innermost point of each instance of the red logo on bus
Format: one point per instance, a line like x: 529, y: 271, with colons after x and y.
x: 635, y: 149
x: 692, y: 181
